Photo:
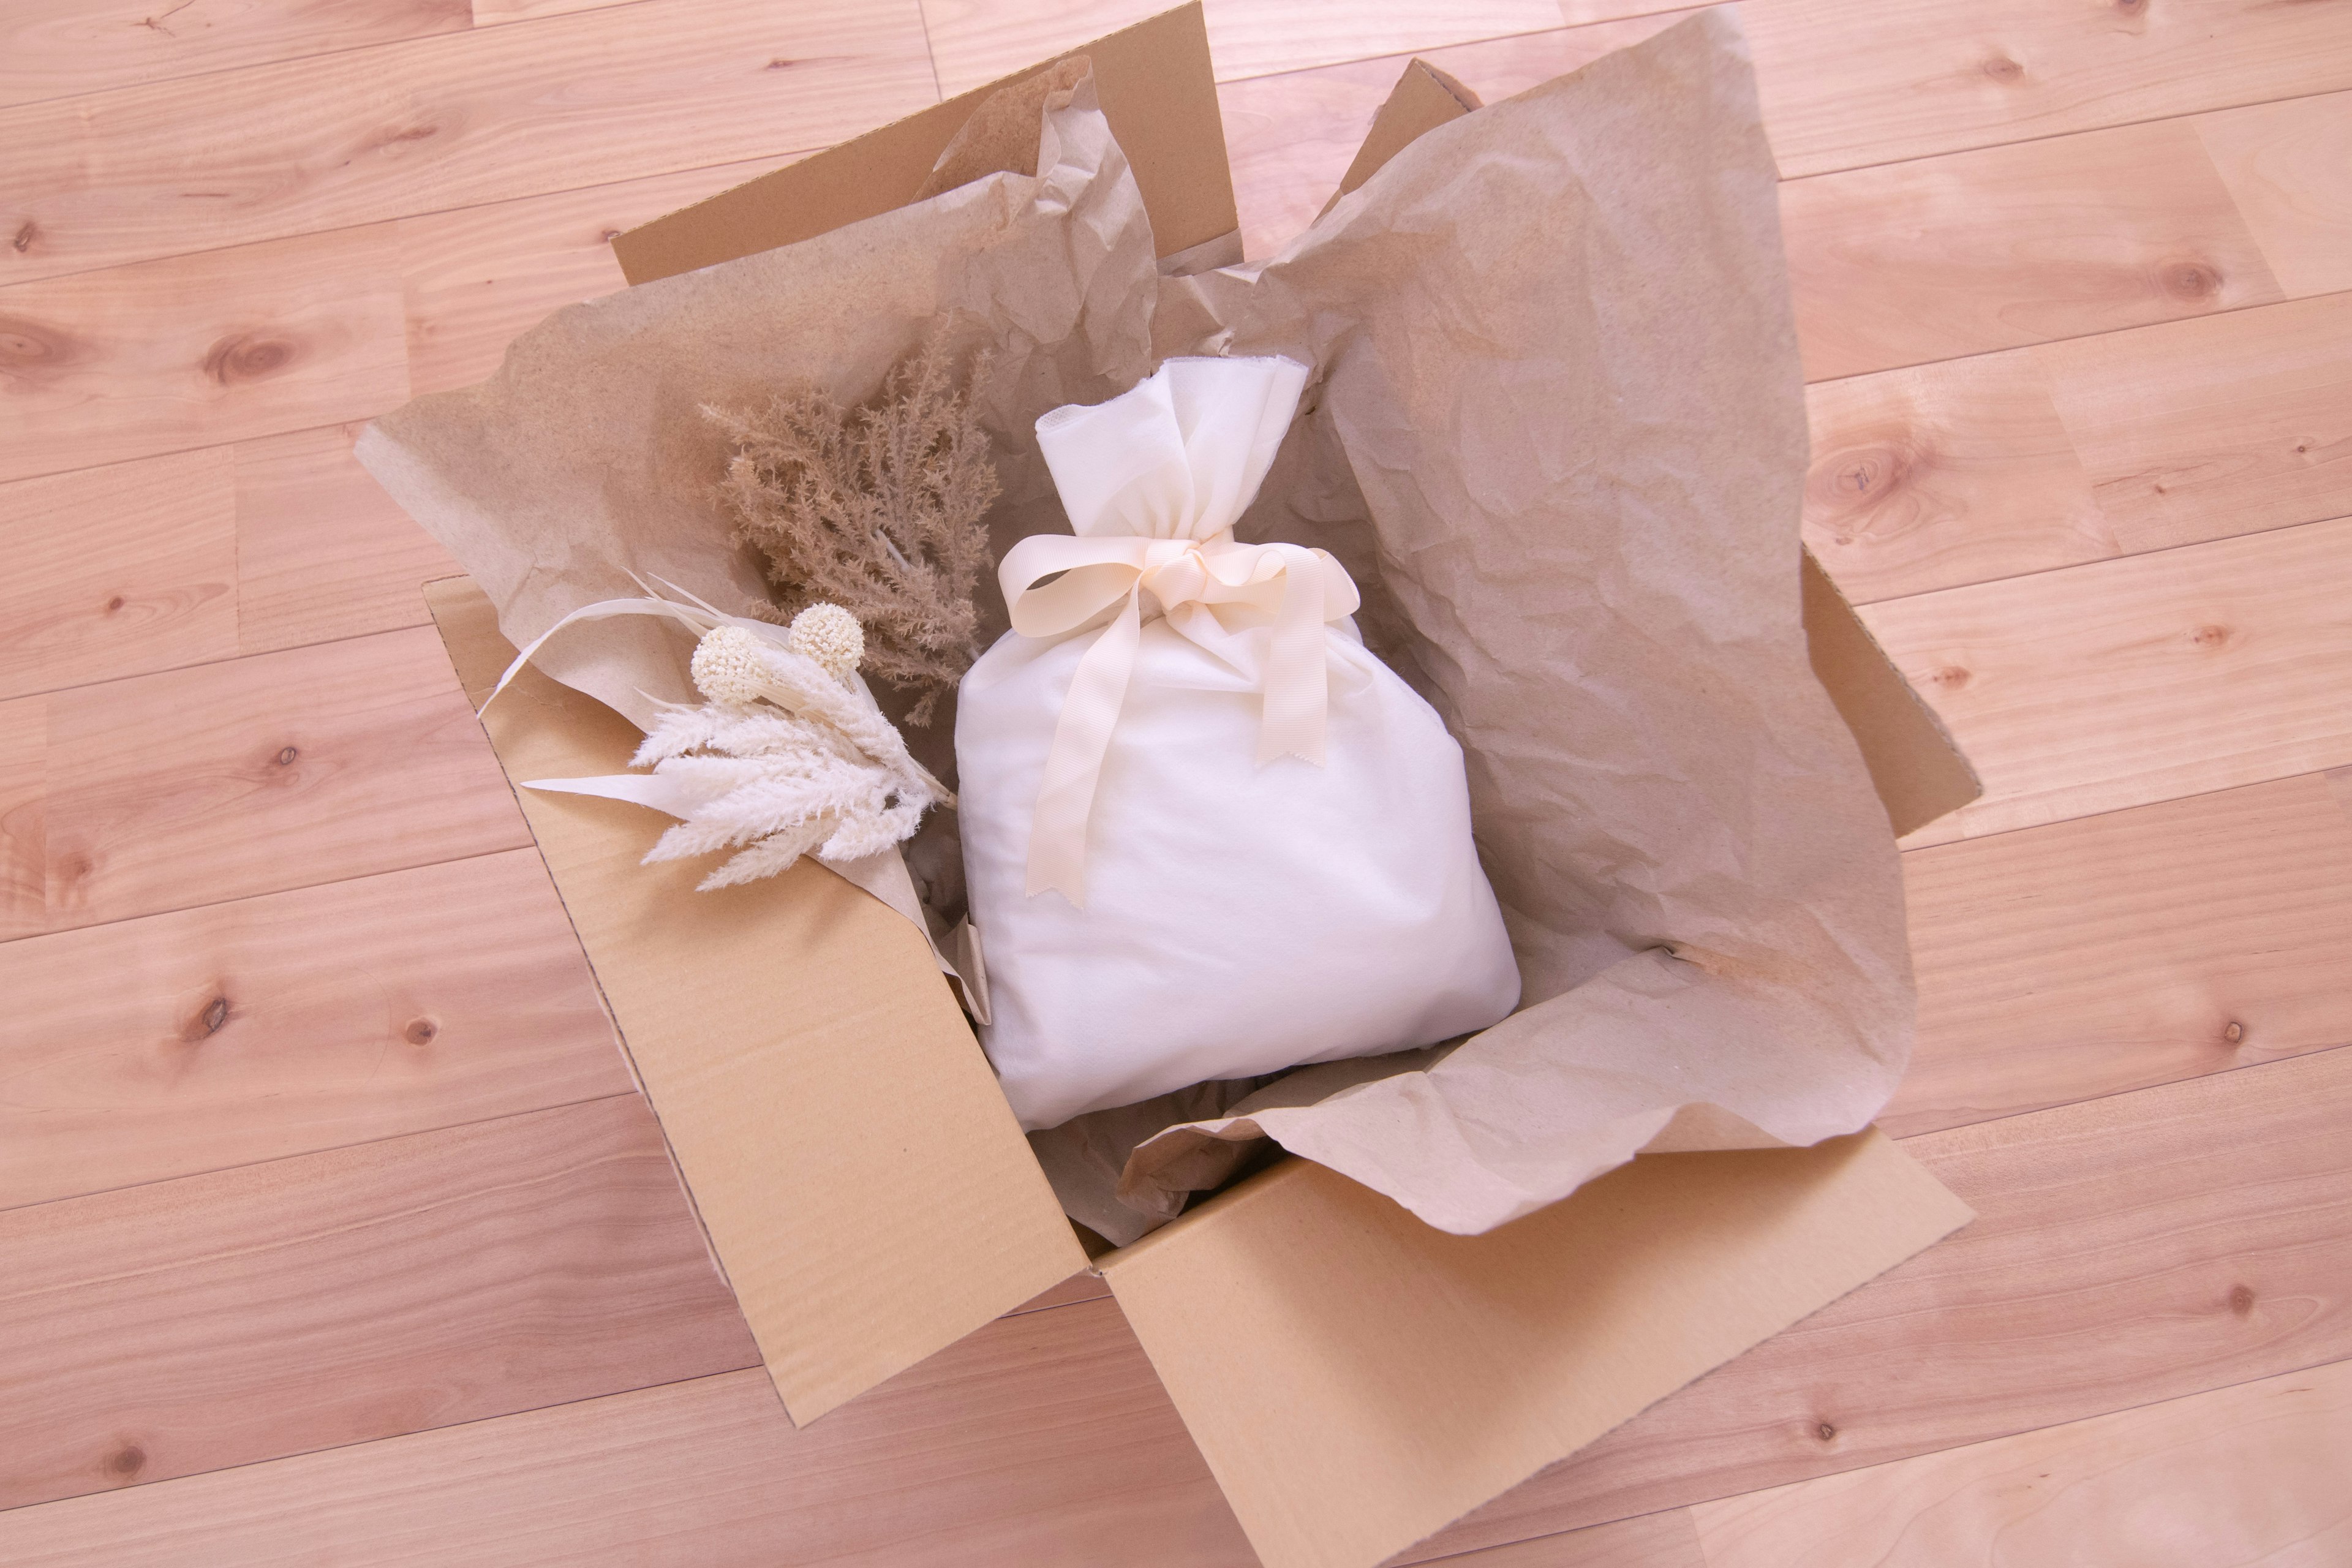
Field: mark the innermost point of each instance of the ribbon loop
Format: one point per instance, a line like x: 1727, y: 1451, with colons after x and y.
x: 1294, y: 591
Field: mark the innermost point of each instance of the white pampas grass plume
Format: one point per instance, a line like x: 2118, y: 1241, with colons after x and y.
x: 789, y: 757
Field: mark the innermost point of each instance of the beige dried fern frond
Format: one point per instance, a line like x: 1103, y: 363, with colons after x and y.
x: 877, y: 509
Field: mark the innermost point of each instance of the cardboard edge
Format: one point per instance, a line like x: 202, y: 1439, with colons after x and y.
x: 1422, y: 98
x: 1919, y: 771
x: 885, y: 168
x: 462, y: 614
x: 1249, y: 1257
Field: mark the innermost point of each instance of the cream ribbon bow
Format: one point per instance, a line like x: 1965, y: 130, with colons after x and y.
x: 1153, y: 481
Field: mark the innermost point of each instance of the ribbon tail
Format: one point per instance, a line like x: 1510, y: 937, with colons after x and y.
x: 1298, y: 701
x: 1057, y: 832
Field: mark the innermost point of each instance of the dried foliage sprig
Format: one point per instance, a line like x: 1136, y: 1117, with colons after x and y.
x: 877, y: 508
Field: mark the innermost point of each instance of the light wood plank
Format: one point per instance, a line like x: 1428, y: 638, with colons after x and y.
x: 1912, y: 262
x: 2142, y: 1246
x: 49, y: 49
x: 284, y: 770
x: 117, y: 570
x: 976, y: 41
x: 2247, y: 416
x: 1946, y: 474
x: 198, y: 350
x: 321, y: 551
x: 474, y: 278
x: 415, y: 127
x: 1851, y: 82
x: 2249, y: 1475
x: 300, y: 1021
x: 2117, y: 952
x: 335, y: 1297
x: 2289, y: 167
x: 1289, y: 138
x: 1042, y: 1439
x: 24, y: 832
x: 2126, y: 682
x: 2032, y: 459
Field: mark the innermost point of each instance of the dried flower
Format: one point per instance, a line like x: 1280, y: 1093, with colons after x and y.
x: 831, y: 635
x: 785, y: 761
x: 877, y: 510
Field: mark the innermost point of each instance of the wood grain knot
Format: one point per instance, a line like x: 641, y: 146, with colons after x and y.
x: 206, y: 1021
x: 1950, y: 677
x: 285, y: 757
x: 779, y: 64
x: 420, y: 1031
x: 2234, y: 1033
x: 402, y: 136
x: 2003, y: 70
x: 128, y: 1460
x: 2190, y: 280
x: 28, y: 348
x: 248, y: 357
x: 114, y: 605
x: 1825, y: 1432
x: 2241, y: 1301
x: 2209, y: 637
x: 1850, y: 486
x: 25, y: 237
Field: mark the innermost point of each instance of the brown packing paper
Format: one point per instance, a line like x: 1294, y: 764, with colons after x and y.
x: 1560, y: 441
x: 1558, y: 436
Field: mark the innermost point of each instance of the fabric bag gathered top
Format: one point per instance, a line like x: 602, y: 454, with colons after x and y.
x: 1207, y: 834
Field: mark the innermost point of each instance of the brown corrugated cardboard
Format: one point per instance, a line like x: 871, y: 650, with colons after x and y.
x: 1157, y: 91
x: 1424, y: 96
x: 1919, y: 773
x: 1357, y: 1380
x: 862, y: 1181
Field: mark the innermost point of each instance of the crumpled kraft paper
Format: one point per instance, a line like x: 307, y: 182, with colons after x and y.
x: 1561, y: 436
x: 1556, y: 434
x: 584, y: 469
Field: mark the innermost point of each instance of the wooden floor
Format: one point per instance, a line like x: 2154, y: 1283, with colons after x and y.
x: 332, y: 1228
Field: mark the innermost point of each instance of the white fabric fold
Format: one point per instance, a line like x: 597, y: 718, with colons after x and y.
x: 1153, y: 481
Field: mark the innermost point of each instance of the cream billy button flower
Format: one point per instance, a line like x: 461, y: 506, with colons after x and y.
x: 727, y: 666
x: 831, y: 636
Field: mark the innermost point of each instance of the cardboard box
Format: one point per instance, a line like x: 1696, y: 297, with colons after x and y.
x: 1355, y: 1378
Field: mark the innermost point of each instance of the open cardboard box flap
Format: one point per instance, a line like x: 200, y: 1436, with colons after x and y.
x: 864, y: 1185
x: 1356, y: 1379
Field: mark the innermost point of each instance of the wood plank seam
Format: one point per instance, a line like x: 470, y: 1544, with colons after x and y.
x: 2191, y: 115
x: 2109, y: 335
x: 423, y: 618
x: 2157, y: 552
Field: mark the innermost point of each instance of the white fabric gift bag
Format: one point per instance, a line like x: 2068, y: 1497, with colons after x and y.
x: 1206, y: 833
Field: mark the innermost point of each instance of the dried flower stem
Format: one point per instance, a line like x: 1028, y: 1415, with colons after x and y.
x: 877, y: 509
